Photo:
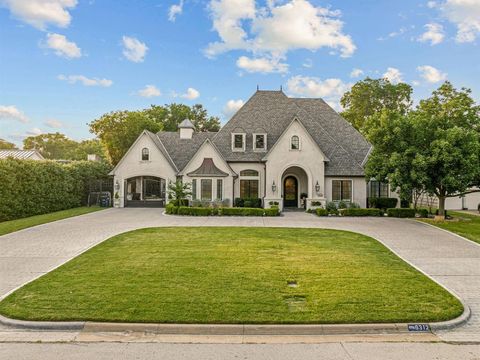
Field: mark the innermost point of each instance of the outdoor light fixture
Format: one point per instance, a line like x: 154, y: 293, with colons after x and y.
x: 117, y: 185
x: 317, y: 187
x: 274, y: 187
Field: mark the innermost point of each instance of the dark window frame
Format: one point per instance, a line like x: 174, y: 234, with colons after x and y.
x: 295, y: 143
x: 145, y: 154
x: 342, y: 190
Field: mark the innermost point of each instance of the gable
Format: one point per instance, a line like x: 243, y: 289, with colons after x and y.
x: 207, y: 151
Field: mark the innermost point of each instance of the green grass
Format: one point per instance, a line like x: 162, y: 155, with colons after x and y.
x: 19, y: 224
x: 234, y: 275
x: 462, y: 224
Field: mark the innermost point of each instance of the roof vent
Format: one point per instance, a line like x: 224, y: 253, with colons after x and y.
x: 186, y: 129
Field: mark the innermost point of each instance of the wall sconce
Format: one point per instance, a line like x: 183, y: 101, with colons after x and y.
x: 117, y: 186
x: 317, y: 187
x: 274, y: 187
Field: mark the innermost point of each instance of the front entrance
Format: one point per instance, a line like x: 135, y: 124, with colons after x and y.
x: 145, y: 191
x: 290, y: 192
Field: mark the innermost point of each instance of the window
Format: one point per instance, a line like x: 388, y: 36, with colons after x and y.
x: 145, y: 154
x: 194, y: 189
x: 238, y: 142
x: 249, y: 173
x: 249, y: 189
x: 342, y: 190
x: 206, y: 187
x: 260, y: 142
x: 219, y: 189
x: 377, y: 189
x: 295, y: 143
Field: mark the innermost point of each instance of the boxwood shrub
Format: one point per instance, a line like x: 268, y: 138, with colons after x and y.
x: 382, y: 203
x: 196, y: 211
x: 422, y: 213
x: 361, y: 212
x: 322, y: 212
x: 171, y: 209
x: 249, y: 203
x: 401, y: 213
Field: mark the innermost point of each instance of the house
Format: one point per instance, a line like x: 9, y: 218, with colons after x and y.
x: 21, y: 154
x: 275, y: 148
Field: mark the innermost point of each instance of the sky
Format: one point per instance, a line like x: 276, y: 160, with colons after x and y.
x: 64, y: 63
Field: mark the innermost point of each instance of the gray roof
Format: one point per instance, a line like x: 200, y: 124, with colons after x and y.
x: 271, y: 112
x: 182, y: 150
x: 19, y: 154
x: 186, y: 124
x: 208, y: 169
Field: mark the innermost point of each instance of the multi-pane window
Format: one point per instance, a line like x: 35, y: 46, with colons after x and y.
x: 219, y: 189
x: 342, y: 190
x: 377, y: 189
x: 238, y: 141
x: 145, y: 154
x: 206, y: 189
x: 295, y: 143
x: 260, y: 141
x: 248, y: 189
x: 194, y: 189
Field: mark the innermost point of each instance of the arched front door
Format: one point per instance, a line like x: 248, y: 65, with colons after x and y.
x: 290, y: 192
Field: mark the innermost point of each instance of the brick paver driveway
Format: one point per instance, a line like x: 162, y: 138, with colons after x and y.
x: 450, y: 260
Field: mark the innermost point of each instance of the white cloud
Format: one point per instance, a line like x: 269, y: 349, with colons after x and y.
x: 191, y: 94
x: 431, y: 4
x: 276, y: 28
x: 62, y: 47
x: 149, y: 91
x: 308, y: 63
x: 465, y: 14
x: 40, y: 13
x: 12, y: 113
x: 54, y: 124
x: 261, y: 65
x: 431, y: 74
x: 393, y: 75
x: 231, y: 107
x: 434, y: 34
x: 72, y: 79
x: 331, y: 90
x: 356, y: 73
x: 34, y: 132
x: 133, y: 49
x: 175, y: 10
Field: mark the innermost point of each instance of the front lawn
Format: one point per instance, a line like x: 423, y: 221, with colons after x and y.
x: 19, y: 224
x: 235, y: 275
x: 462, y: 224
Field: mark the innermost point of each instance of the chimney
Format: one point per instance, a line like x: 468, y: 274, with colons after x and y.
x: 186, y: 129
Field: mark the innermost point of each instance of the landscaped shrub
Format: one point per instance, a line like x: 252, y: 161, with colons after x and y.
x: 354, y: 205
x: 31, y: 187
x: 252, y: 202
x: 401, y: 213
x: 342, y: 205
x: 361, y: 212
x: 322, y: 212
x: 422, y: 213
x: 171, y: 209
x: 316, y: 203
x: 382, y: 203
x: 196, y: 211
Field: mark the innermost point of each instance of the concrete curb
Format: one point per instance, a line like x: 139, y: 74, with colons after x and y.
x: 42, y: 325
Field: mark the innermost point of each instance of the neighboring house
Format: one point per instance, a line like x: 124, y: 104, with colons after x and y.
x: 469, y: 201
x: 21, y: 154
x: 276, y: 148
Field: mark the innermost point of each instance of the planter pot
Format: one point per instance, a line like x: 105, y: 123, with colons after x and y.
x: 116, y: 203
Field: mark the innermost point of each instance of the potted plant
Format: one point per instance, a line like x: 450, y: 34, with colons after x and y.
x: 116, y: 201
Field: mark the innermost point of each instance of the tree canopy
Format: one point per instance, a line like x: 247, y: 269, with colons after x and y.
x: 435, y: 147
x: 6, y: 145
x: 119, y: 129
x: 370, y: 97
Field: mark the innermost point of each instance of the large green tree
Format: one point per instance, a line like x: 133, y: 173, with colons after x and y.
x: 51, y: 145
x: 435, y: 147
x: 369, y: 97
x: 6, y: 145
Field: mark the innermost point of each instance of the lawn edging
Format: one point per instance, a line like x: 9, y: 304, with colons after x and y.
x: 447, y: 231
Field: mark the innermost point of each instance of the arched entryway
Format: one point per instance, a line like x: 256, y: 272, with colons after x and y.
x: 290, y: 192
x: 145, y: 191
x: 294, y: 187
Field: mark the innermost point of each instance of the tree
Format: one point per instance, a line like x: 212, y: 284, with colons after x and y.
x: 178, y: 191
x: 5, y: 145
x: 51, y: 146
x: 369, y: 97
x: 118, y: 130
x: 435, y: 148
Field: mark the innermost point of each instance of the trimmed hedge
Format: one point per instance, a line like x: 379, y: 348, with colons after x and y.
x: 361, y: 212
x: 31, y: 187
x: 401, y: 213
x: 322, y: 212
x: 201, y: 211
x: 196, y: 211
x: 422, y: 213
x: 382, y: 203
x: 248, y: 203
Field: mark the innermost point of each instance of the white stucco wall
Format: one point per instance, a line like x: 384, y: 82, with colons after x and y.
x: 208, y: 151
x: 309, y: 158
x: 132, y: 165
x: 359, y: 189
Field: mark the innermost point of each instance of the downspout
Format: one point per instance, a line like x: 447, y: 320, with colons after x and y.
x: 264, y: 183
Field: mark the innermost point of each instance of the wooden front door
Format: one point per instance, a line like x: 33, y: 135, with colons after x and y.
x: 290, y: 192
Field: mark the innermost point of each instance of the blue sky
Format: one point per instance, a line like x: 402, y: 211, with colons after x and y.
x: 64, y: 63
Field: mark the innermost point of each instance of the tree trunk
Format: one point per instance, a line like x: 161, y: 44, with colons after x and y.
x: 441, y: 206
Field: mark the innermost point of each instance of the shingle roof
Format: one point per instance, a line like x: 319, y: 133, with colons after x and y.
x: 19, y: 154
x: 186, y: 124
x: 208, y: 168
x: 182, y: 150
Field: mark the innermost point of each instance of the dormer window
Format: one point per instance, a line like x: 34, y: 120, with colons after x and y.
x: 260, y: 142
x: 295, y: 143
x: 238, y: 142
x: 145, y: 154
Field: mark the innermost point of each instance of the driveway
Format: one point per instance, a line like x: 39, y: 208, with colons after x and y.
x: 450, y: 260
